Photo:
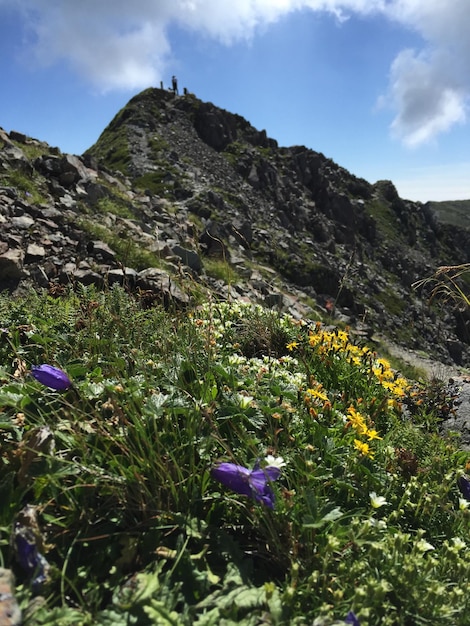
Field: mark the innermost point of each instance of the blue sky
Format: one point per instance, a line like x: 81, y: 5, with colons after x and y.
x: 379, y: 86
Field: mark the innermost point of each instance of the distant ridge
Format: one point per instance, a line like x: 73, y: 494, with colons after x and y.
x: 454, y: 212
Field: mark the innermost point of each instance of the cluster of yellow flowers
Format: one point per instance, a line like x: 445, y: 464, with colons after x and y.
x: 397, y: 385
x: 337, y: 343
x: 358, y: 422
x: 328, y: 340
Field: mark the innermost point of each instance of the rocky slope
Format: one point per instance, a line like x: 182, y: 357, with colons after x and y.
x: 179, y: 197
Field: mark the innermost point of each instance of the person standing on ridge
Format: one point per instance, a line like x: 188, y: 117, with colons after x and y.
x: 174, y: 84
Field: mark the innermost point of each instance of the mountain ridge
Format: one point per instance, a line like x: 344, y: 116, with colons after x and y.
x: 184, y: 183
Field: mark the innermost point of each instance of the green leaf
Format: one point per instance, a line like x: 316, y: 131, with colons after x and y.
x: 160, y: 616
x: 332, y: 516
x: 9, y: 398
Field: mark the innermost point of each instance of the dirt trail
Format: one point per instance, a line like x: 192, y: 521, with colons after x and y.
x: 432, y: 368
x: 461, y: 381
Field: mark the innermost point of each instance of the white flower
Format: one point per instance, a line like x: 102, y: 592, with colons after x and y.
x: 380, y: 524
x: 459, y: 544
x: 463, y: 504
x: 275, y: 461
x: 377, y: 501
x: 424, y: 546
x: 244, y: 401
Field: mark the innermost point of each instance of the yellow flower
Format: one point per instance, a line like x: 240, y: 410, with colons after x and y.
x: 384, y: 363
x: 292, y: 345
x: 356, y: 420
x: 372, y: 434
x: 316, y: 393
x: 355, y: 360
x: 363, y: 448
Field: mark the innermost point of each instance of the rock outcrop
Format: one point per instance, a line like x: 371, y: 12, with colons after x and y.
x: 178, y: 195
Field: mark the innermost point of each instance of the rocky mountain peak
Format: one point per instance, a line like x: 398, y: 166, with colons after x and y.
x: 176, y: 188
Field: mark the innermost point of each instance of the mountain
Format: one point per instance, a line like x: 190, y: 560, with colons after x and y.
x: 179, y: 198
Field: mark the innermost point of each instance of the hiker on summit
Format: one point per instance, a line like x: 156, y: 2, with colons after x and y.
x: 174, y: 85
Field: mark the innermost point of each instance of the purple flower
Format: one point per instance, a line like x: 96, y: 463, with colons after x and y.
x: 28, y: 556
x: 352, y: 619
x: 51, y: 376
x: 464, y: 485
x: 253, y: 483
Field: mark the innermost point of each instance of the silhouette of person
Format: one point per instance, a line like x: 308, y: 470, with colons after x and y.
x: 174, y: 84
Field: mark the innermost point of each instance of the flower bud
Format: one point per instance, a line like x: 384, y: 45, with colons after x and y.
x: 51, y: 376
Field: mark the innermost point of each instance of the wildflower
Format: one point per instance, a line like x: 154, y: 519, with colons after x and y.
x: 356, y: 420
x: 28, y: 556
x: 317, y: 393
x: 275, y: 461
x: 244, y: 400
x: 51, y: 377
x: 463, y: 504
x: 351, y: 619
x: 377, y: 501
x: 463, y: 483
x: 424, y: 546
x: 459, y: 544
x: 253, y: 483
x: 292, y: 345
x: 372, y: 434
x: 363, y: 448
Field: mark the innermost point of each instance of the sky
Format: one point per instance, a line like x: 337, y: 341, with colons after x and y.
x: 381, y: 87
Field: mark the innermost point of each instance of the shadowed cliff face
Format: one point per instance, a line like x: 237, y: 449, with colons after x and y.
x: 176, y: 186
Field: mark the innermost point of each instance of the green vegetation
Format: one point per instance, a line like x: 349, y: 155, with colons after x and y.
x: 114, y: 205
x: 160, y: 183
x: 385, y: 218
x: 32, y: 150
x: 128, y: 252
x: 25, y: 184
x: 221, y: 270
x: 112, y: 147
x: 454, y: 212
x: 449, y: 283
x: 127, y: 523
x: 391, y: 300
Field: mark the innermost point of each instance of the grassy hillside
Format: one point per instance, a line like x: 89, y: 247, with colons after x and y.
x: 224, y: 466
x: 454, y: 212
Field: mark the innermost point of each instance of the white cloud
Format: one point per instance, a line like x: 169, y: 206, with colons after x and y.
x: 429, y: 88
x: 122, y: 44
x: 115, y: 46
x: 428, y: 99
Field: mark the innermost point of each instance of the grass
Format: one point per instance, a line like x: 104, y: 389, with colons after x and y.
x: 449, y: 283
x: 25, y: 184
x: 128, y: 252
x: 454, y: 212
x: 133, y: 528
x: 220, y: 269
